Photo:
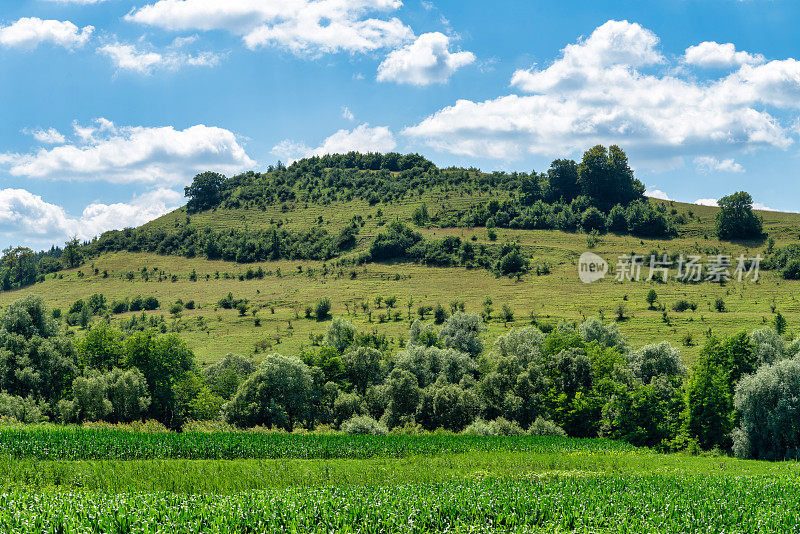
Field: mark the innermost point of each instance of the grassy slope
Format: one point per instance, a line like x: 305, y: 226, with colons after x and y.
x: 557, y: 296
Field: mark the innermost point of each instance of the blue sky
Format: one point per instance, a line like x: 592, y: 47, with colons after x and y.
x: 111, y: 106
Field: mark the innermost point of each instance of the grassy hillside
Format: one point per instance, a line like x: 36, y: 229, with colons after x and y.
x: 560, y: 295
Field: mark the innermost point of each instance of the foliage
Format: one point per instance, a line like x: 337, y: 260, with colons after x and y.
x: 736, y: 219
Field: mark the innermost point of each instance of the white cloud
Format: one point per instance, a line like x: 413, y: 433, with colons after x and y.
x: 707, y: 164
x: 301, y: 26
x: 706, y: 202
x: 423, y: 62
x: 347, y: 114
x: 615, y: 87
x: 30, y: 32
x: 25, y: 217
x: 657, y: 193
x: 129, y: 57
x: 161, y: 155
x: 362, y: 138
x: 51, y: 136
x: 711, y: 54
x: 762, y: 207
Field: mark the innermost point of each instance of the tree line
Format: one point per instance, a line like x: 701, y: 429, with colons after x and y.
x: 577, y: 379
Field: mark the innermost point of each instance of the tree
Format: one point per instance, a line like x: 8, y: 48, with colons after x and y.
x: 593, y: 220
x: 205, y: 191
x: 340, y: 334
x: 323, y: 309
x: 779, y: 323
x: 563, y: 180
x: 362, y: 367
x: 736, y: 220
x: 72, y: 255
x: 462, y: 332
x: 529, y: 189
x: 656, y: 360
x: 163, y: 360
x: 606, y: 178
x: 225, y: 376
x: 36, y: 359
x: 278, y: 394
x: 101, y: 347
x: 19, y: 267
x: 651, y: 298
x: 768, y: 403
x: 709, y: 394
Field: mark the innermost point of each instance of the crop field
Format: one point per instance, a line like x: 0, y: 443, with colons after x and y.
x: 75, y: 443
x: 553, y: 503
x: 327, y: 483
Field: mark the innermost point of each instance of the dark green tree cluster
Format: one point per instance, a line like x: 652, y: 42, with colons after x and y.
x: 736, y: 220
x: 105, y: 375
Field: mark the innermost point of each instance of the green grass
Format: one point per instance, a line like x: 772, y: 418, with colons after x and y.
x: 558, y: 296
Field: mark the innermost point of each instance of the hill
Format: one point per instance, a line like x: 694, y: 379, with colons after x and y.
x: 327, y: 214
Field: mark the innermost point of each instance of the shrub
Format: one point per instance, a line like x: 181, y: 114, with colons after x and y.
x: 119, y: 306
x: 340, y: 334
x: 462, y: 332
x: 323, y: 309
x: 593, y: 220
x: 660, y: 359
x: 683, y: 305
x: 150, y: 304
x: 545, y: 427
x: 364, y: 424
x: 719, y: 305
x: 792, y: 270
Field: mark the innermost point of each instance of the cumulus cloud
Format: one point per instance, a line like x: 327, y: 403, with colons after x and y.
x: 657, y: 193
x: 707, y: 164
x: 362, y: 138
x: 30, y: 32
x: 26, y: 217
x: 615, y: 87
x: 706, y: 202
x: 130, y: 154
x: 301, y: 26
x: 51, y: 136
x: 128, y: 57
x: 425, y: 61
x: 711, y: 54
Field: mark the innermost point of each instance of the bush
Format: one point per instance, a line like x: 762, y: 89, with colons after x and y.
x: 683, y: 305
x: 340, y: 334
x: 119, y: 306
x: 323, y: 309
x: 736, y: 220
x: 545, y: 427
x: 593, y: 220
x: 462, y: 332
x: 655, y: 360
x: 150, y: 304
x: 792, y: 270
x: 498, y: 427
x: 364, y: 424
x: 768, y: 402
